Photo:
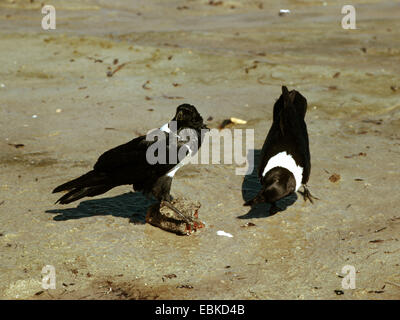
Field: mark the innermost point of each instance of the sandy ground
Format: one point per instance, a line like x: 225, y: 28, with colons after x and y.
x: 229, y: 60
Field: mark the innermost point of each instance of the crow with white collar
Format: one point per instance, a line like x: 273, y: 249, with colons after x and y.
x: 285, y: 156
x: 128, y: 164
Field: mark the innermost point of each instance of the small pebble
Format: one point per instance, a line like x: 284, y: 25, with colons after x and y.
x: 334, y: 178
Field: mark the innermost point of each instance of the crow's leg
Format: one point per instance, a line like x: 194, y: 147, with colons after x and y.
x: 307, y: 194
x: 161, y: 190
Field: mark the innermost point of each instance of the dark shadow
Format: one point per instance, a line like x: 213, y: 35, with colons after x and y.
x: 132, y: 205
x: 251, y: 186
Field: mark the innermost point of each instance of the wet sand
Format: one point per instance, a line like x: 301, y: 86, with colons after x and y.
x: 229, y: 61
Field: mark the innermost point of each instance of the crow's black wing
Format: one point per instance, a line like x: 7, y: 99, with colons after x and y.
x: 288, y: 132
x: 128, y: 163
x: 132, y: 153
x: 294, y: 130
x: 270, y: 147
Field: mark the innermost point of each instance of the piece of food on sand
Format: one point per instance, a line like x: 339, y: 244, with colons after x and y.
x: 162, y: 216
x: 230, y: 122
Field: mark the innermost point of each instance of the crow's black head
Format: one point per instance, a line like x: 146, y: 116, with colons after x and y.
x: 278, y: 183
x: 188, y: 117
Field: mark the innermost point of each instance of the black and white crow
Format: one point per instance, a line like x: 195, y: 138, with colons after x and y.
x: 128, y: 163
x: 285, y: 156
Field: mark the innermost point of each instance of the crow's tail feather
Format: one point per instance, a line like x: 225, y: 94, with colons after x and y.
x: 90, y: 184
x: 90, y: 179
x: 295, y: 98
x: 79, y: 193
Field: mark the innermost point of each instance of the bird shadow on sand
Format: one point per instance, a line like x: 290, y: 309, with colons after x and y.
x: 251, y: 186
x: 132, y: 205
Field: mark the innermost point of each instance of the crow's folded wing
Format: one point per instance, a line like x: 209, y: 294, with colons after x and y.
x: 132, y: 157
x: 132, y: 153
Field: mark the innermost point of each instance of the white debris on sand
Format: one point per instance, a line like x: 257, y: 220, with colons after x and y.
x: 283, y: 12
x: 223, y: 233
